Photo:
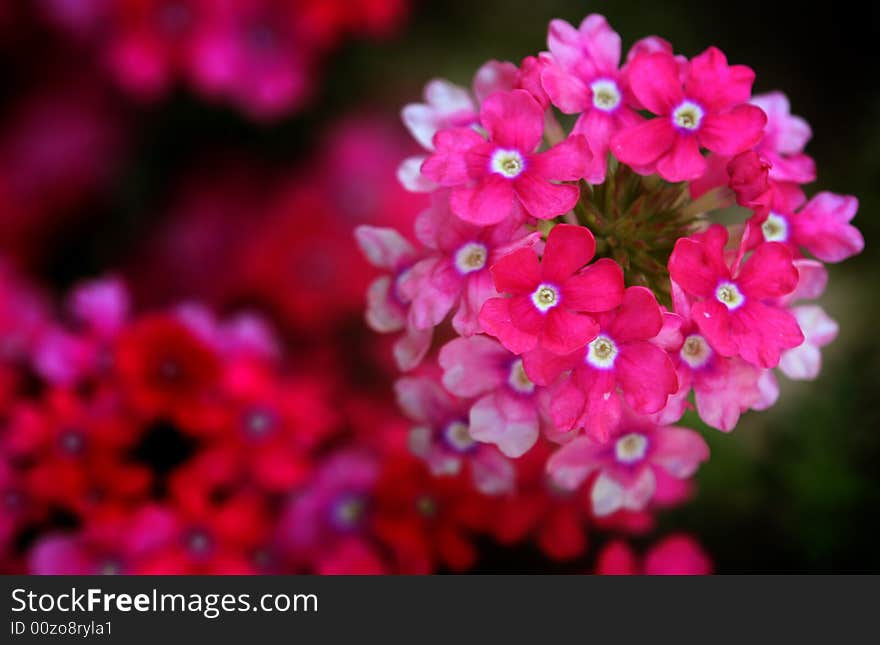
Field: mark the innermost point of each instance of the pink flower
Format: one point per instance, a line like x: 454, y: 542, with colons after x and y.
x: 675, y: 555
x: 626, y: 466
x: 707, y: 109
x: 492, y: 180
x: 620, y: 357
x: 506, y: 414
x: 552, y: 301
x: 804, y: 362
x: 821, y: 226
x: 455, y: 276
x: 749, y: 175
x: 446, y: 106
x: 784, y: 139
x: 443, y: 440
x: 724, y: 387
x: 583, y: 78
x: 387, y: 309
x: 732, y: 309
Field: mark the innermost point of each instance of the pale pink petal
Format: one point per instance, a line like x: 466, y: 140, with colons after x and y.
x: 494, y: 76
x: 383, y: 247
x: 571, y: 464
x: 493, y: 473
x: 510, y: 423
x: 472, y: 366
x: 409, y: 174
x: 679, y: 451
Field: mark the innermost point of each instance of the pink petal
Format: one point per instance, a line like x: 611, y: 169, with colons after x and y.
x: 478, y: 289
x: 689, y: 269
x: 411, y: 348
x: 518, y: 272
x: 489, y: 202
x: 513, y: 119
x: 683, y: 162
x: 447, y: 165
x: 654, y: 80
x: 543, y: 367
x: 566, y: 331
x: 645, y: 143
x: 598, y: 287
x: 409, y: 174
x: 472, y: 366
x: 566, y: 161
x: 511, y: 423
x: 383, y: 247
x: 568, y: 248
x: 543, y: 199
x: 565, y: 44
x: 822, y: 226
x: 713, y: 319
x: 679, y: 451
x: 769, y: 272
x: 716, y: 85
x: 646, y: 376
x: 384, y: 312
x: 495, y: 319
x: 732, y: 132
x: 638, y: 318
x: 762, y: 332
x: 723, y: 393
x: 565, y: 90
x: 571, y: 464
x: 602, y: 407
x: 494, y: 76
x: 602, y: 43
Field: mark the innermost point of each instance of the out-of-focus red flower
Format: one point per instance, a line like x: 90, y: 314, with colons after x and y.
x: 164, y: 366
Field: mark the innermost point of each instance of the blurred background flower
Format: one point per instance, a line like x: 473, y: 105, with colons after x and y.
x: 186, y: 382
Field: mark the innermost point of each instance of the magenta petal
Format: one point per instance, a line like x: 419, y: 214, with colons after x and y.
x: 654, y: 80
x: 566, y: 331
x: 761, y: 333
x: 638, y: 318
x: 645, y: 143
x: 568, y: 248
x: 543, y: 199
x: 543, y: 367
x: 769, y: 272
x: 513, y: 119
x: 823, y: 227
x: 518, y: 272
x: 496, y: 321
x: 566, y: 161
x: 716, y: 85
x: 683, y: 162
x: 489, y: 202
x: 646, y: 376
x: 689, y: 270
x: 602, y: 409
x: 733, y: 132
x: 447, y: 165
x: 713, y: 319
x: 599, y: 287
x: 565, y: 90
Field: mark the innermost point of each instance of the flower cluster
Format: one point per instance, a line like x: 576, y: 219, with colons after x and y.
x: 578, y: 287
x: 261, y: 56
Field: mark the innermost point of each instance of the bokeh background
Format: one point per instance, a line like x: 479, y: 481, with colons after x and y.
x: 202, y: 194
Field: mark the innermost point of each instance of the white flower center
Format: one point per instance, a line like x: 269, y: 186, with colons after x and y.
x: 631, y: 448
x: 458, y: 435
x: 606, y: 95
x: 729, y: 295
x: 471, y: 257
x: 695, y: 351
x: 545, y: 297
x: 688, y: 115
x: 518, y: 378
x: 508, y: 163
x: 602, y: 352
x: 775, y: 228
